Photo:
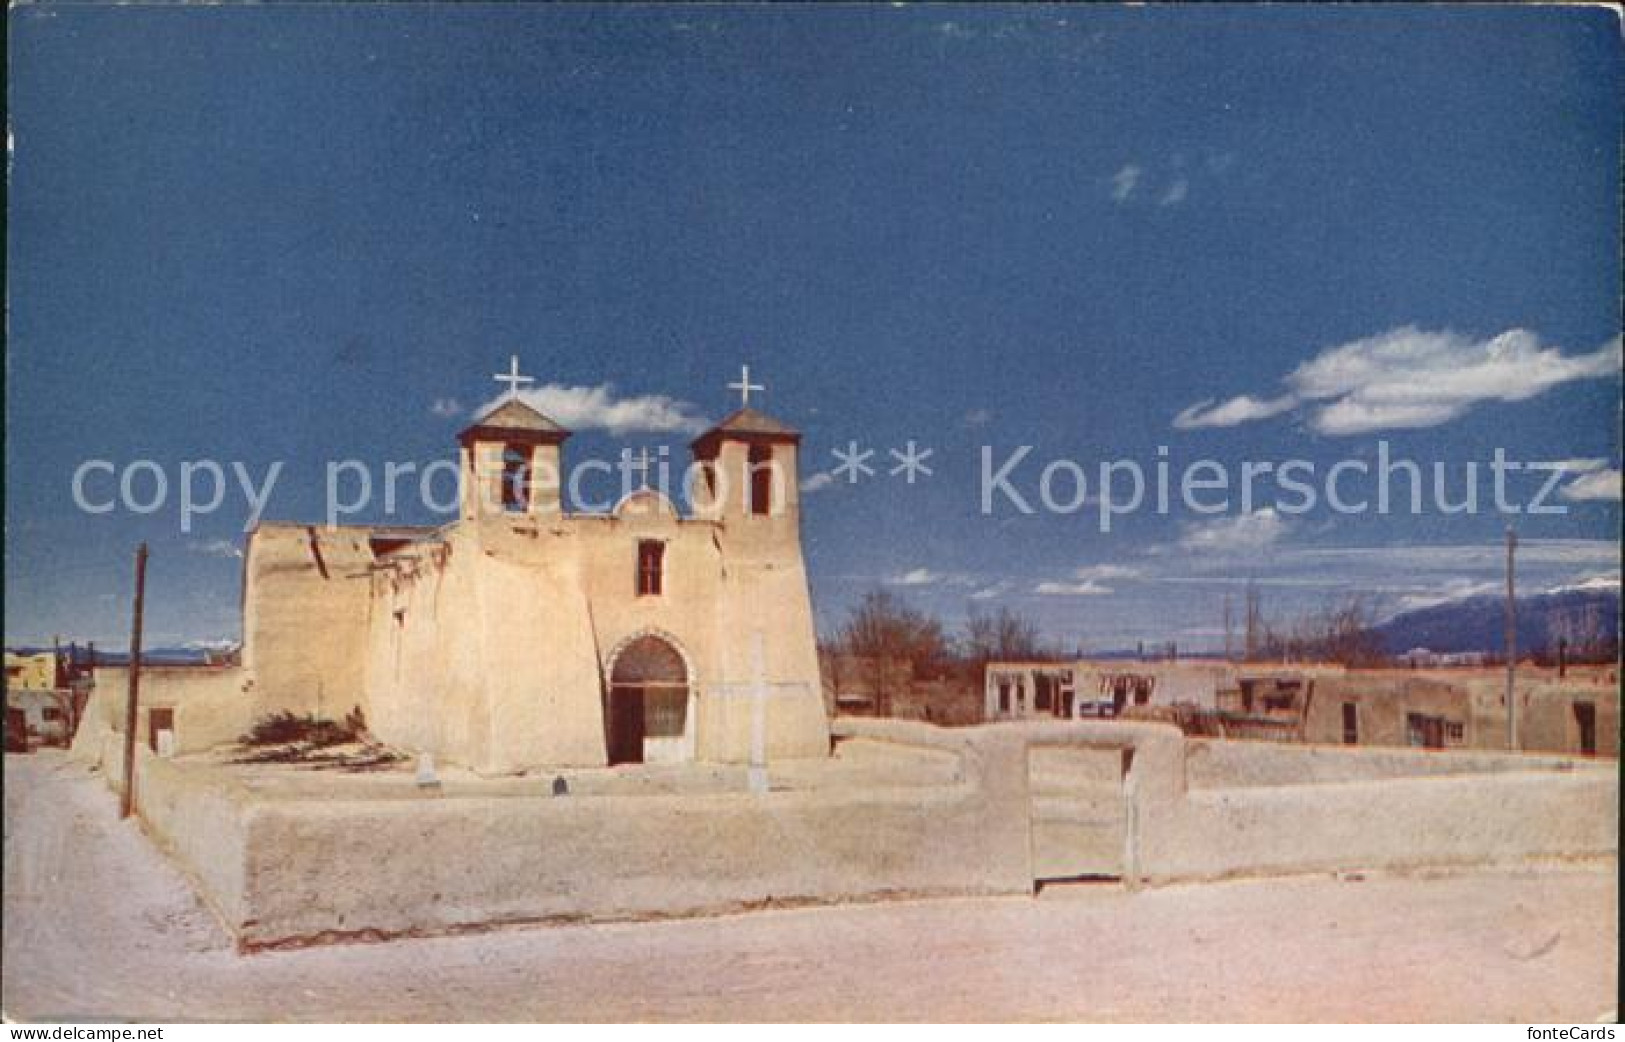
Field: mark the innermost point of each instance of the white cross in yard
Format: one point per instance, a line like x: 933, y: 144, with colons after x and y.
x: 744, y: 386
x: 512, y: 377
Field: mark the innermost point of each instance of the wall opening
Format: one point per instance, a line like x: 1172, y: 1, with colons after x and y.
x: 651, y: 567
x: 648, y: 702
x: 159, y: 720
x: 515, y: 479
x: 1585, y: 717
x: 761, y: 479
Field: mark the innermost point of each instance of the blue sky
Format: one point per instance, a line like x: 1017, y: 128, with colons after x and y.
x: 311, y: 233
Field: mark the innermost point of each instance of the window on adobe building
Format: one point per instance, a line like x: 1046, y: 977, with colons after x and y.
x: 651, y: 567
x: 515, y: 479
x: 761, y: 479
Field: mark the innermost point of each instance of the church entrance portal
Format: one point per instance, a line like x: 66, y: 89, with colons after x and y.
x: 648, y: 702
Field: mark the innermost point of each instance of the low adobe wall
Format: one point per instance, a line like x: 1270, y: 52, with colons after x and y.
x: 285, y: 869
x: 281, y: 870
x: 1441, y: 821
x: 1215, y: 763
x: 210, y: 703
x: 203, y: 822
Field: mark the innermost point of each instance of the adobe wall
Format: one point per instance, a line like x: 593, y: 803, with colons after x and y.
x: 325, y: 867
x: 212, y: 703
x: 1382, y: 701
x: 305, y: 607
x: 1476, y: 698
x: 1212, y: 763
x: 492, y: 648
x: 1456, y: 820
x: 202, y: 820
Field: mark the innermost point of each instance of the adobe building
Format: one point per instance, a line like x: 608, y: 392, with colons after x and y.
x: 523, y: 635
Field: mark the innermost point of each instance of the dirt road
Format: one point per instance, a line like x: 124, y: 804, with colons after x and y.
x: 98, y: 925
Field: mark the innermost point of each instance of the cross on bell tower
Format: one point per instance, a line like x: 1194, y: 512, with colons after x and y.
x: 744, y: 386
x: 512, y: 377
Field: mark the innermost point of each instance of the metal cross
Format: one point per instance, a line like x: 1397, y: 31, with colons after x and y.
x: 640, y: 463
x: 512, y: 377
x: 744, y: 386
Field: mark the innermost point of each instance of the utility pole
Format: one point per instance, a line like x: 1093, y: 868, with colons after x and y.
x: 1512, y: 644
x: 127, y: 803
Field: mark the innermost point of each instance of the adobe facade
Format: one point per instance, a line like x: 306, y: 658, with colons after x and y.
x: 525, y: 636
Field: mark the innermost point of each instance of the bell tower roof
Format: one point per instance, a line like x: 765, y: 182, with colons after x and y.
x: 745, y: 424
x: 513, y: 420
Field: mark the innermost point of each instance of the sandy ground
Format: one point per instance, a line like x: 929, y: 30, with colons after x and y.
x: 99, y: 925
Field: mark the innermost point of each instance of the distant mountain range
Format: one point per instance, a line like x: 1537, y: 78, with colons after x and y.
x: 1479, y: 623
x: 193, y: 653
x: 1468, y: 624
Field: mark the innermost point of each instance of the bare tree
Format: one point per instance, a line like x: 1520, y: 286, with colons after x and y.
x: 1002, y: 635
x: 883, y: 630
x: 1341, y: 630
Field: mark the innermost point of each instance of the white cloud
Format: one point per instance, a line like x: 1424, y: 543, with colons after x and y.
x: 598, y: 408
x: 446, y: 408
x: 1240, y: 534
x: 1124, y: 182
x: 216, y: 548
x: 915, y: 577
x: 1597, y: 485
x: 1176, y: 193
x: 987, y: 593
x: 821, y: 480
x: 1591, y: 584
x: 978, y: 418
x: 1087, y: 588
x: 1238, y: 410
x: 1454, y: 590
x: 1105, y: 572
x: 1410, y: 378
x: 1579, y: 466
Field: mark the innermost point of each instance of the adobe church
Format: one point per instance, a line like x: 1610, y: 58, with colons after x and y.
x: 524, y: 635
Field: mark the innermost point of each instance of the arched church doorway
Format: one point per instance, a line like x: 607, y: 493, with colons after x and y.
x: 648, y: 702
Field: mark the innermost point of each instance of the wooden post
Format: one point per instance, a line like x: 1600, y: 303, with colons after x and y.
x: 1512, y: 645
x: 127, y: 802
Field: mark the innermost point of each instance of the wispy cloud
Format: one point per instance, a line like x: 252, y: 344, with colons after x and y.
x: 1607, y: 582
x: 215, y: 548
x: 1453, y: 590
x: 1244, y: 533
x: 1175, y: 193
x: 1105, y: 572
x: 821, y: 480
x: 978, y: 418
x: 1411, y: 378
x: 1124, y: 183
x: 1603, y: 485
x: 916, y: 577
x: 1241, y: 409
x: 446, y: 408
x: 599, y: 408
x: 1086, y: 588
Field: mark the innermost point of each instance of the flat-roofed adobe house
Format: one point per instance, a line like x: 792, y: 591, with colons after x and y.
x: 524, y: 635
